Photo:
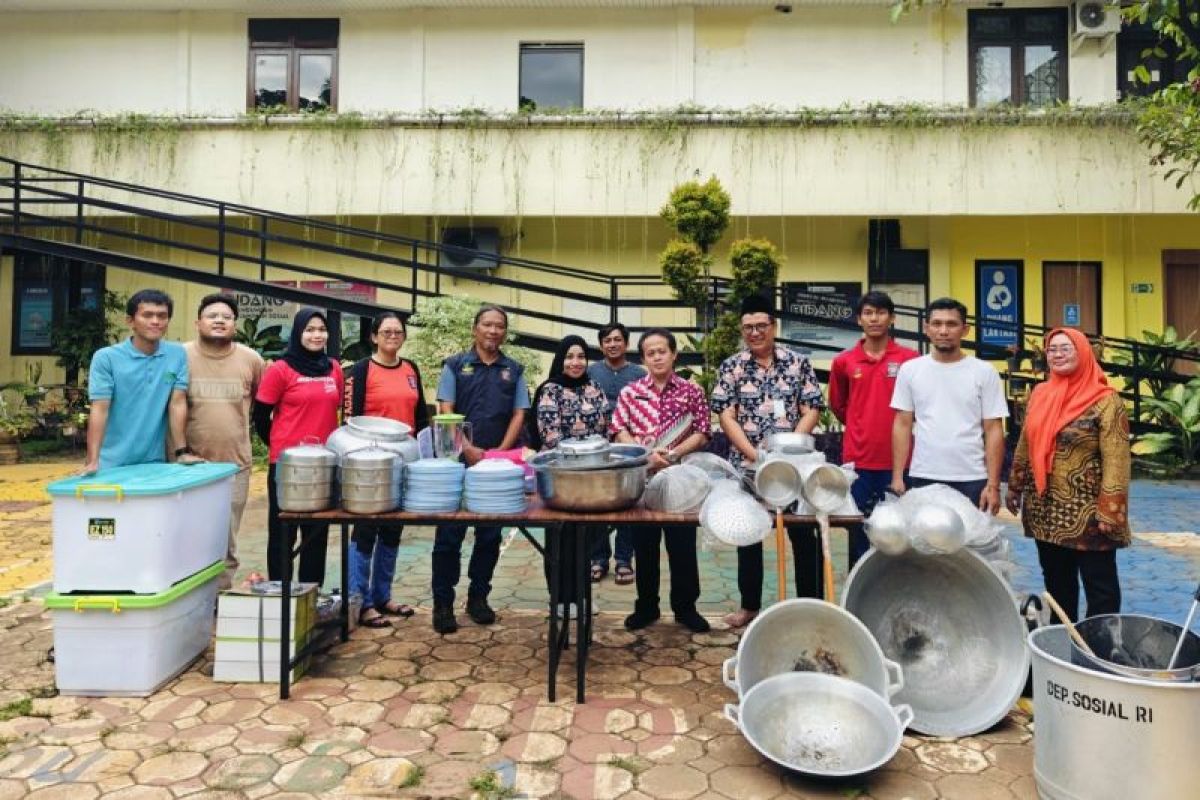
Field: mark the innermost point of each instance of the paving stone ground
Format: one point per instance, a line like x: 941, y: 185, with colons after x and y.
x: 401, y: 712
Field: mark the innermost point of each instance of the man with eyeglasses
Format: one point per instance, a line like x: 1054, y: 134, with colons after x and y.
x: 224, y: 380
x: 760, y: 390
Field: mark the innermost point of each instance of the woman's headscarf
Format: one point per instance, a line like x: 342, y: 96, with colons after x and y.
x: 1056, y: 403
x: 558, y: 376
x: 306, y: 362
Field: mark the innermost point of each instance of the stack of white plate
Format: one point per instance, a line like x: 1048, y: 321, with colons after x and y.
x: 495, y: 486
x: 433, y: 485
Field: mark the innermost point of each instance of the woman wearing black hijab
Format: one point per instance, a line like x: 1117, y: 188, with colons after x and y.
x: 298, y: 399
x: 568, y: 405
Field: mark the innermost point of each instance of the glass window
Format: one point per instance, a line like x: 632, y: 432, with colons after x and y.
x: 1138, y: 44
x: 1018, y: 57
x: 44, y: 289
x: 293, y: 64
x: 551, y: 76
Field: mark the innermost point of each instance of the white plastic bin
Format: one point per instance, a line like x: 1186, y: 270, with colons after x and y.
x: 140, y: 528
x: 130, y: 645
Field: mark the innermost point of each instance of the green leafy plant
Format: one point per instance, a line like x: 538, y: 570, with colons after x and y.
x: 1176, y: 449
x: 756, y: 265
x: 16, y: 418
x: 684, y: 268
x: 442, y: 327
x: 267, y: 342
x: 699, y: 212
x: 80, y: 332
x: 488, y: 786
x: 1158, y: 358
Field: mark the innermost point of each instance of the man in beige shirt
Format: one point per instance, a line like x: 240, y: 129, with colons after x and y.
x: 225, y: 377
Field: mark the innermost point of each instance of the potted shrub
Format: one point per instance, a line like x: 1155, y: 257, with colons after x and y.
x: 15, y: 421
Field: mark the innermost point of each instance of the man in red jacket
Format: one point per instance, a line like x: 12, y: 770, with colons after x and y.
x: 861, y: 380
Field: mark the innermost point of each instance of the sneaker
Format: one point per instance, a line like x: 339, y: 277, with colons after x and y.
x: 480, y: 612
x: 443, y: 620
x: 692, y: 620
x: 640, y: 619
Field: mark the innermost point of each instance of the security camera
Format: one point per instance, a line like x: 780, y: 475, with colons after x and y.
x: 783, y: 8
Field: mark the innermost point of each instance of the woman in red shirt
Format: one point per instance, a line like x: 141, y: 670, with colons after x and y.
x: 298, y: 399
x: 382, y: 385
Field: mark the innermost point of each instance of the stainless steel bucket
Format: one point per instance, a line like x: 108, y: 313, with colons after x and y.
x: 304, y: 478
x: 1109, y: 737
x: 371, y: 480
x: 1137, y: 646
x: 359, y: 432
x: 953, y: 626
x: 807, y: 635
x: 820, y: 725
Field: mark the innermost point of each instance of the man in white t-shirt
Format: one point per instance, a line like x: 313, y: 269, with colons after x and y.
x: 957, y: 404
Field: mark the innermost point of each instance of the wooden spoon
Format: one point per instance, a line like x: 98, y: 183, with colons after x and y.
x: 1062, y: 615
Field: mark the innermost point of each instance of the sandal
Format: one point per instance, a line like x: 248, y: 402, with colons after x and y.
x: 376, y: 621
x: 598, y: 572
x: 623, y: 574
x: 391, y: 609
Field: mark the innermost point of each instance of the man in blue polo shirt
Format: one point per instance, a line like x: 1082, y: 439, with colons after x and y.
x: 488, y: 388
x: 135, y: 388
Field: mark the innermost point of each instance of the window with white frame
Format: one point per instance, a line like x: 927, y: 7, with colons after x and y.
x: 551, y: 76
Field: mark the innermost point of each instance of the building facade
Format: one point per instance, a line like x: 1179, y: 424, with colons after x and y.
x: 971, y: 150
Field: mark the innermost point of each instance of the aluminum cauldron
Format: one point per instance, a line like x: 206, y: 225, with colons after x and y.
x: 1108, y: 737
x: 807, y: 635
x: 614, y: 484
x: 820, y: 725
x: 953, y: 626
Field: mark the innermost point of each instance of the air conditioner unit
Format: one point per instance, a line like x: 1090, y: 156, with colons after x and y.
x: 470, y: 248
x: 1095, y: 19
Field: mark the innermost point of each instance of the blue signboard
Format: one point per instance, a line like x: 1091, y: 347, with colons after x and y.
x: 998, y: 303
x: 1071, y: 314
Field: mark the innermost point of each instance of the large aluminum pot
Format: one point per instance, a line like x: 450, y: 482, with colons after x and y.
x: 790, y: 443
x: 1109, y: 737
x: 390, y: 434
x: 612, y: 485
x: 1137, y: 646
x: 807, y: 635
x: 371, y: 480
x: 953, y: 626
x: 820, y: 725
x: 304, y: 478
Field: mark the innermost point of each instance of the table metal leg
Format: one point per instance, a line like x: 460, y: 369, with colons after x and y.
x: 552, y: 549
x: 583, y: 606
x: 345, y: 614
x: 285, y: 556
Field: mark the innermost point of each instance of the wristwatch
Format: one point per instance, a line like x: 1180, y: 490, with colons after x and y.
x: 185, y: 449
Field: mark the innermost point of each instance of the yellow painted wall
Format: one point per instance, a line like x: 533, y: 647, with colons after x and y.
x: 815, y: 249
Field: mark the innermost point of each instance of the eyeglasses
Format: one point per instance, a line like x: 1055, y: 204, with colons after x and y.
x: 217, y: 315
x: 757, y: 327
x: 1064, y: 350
x: 393, y: 334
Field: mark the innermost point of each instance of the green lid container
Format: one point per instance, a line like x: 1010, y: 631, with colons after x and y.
x: 116, y: 603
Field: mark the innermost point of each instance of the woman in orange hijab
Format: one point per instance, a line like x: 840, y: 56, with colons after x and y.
x: 1070, y: 476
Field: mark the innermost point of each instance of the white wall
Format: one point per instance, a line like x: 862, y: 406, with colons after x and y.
x: 406, y: 61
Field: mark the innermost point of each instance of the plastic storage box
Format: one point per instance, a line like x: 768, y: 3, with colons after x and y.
x: 125, y: 644
x: 140, y: 528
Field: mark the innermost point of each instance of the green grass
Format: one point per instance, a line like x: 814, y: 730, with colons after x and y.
x: 17, y: 708
x: 487, y: 784
x: 413, y: 778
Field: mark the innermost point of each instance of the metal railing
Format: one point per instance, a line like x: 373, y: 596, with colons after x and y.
x: 223, y: 243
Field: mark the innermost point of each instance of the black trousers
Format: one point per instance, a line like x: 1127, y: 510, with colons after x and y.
x: 1062, y: 569
x: 807, y: 565
x: 681, y: 559
x: 314, y: 537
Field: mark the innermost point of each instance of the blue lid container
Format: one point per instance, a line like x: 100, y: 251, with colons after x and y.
x: 142, y: 480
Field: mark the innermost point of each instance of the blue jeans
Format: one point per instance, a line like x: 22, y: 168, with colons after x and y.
x: 447, y: 562
x: 972, y: 490
x: 373, y: 563
x: 867, y: 491
x: 602, y: 551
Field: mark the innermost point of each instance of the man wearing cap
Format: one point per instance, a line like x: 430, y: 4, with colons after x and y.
x: 761, y: 390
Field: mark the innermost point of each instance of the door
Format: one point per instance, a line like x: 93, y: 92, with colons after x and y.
x: 1071, y: 295
x: 1181, y: 288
